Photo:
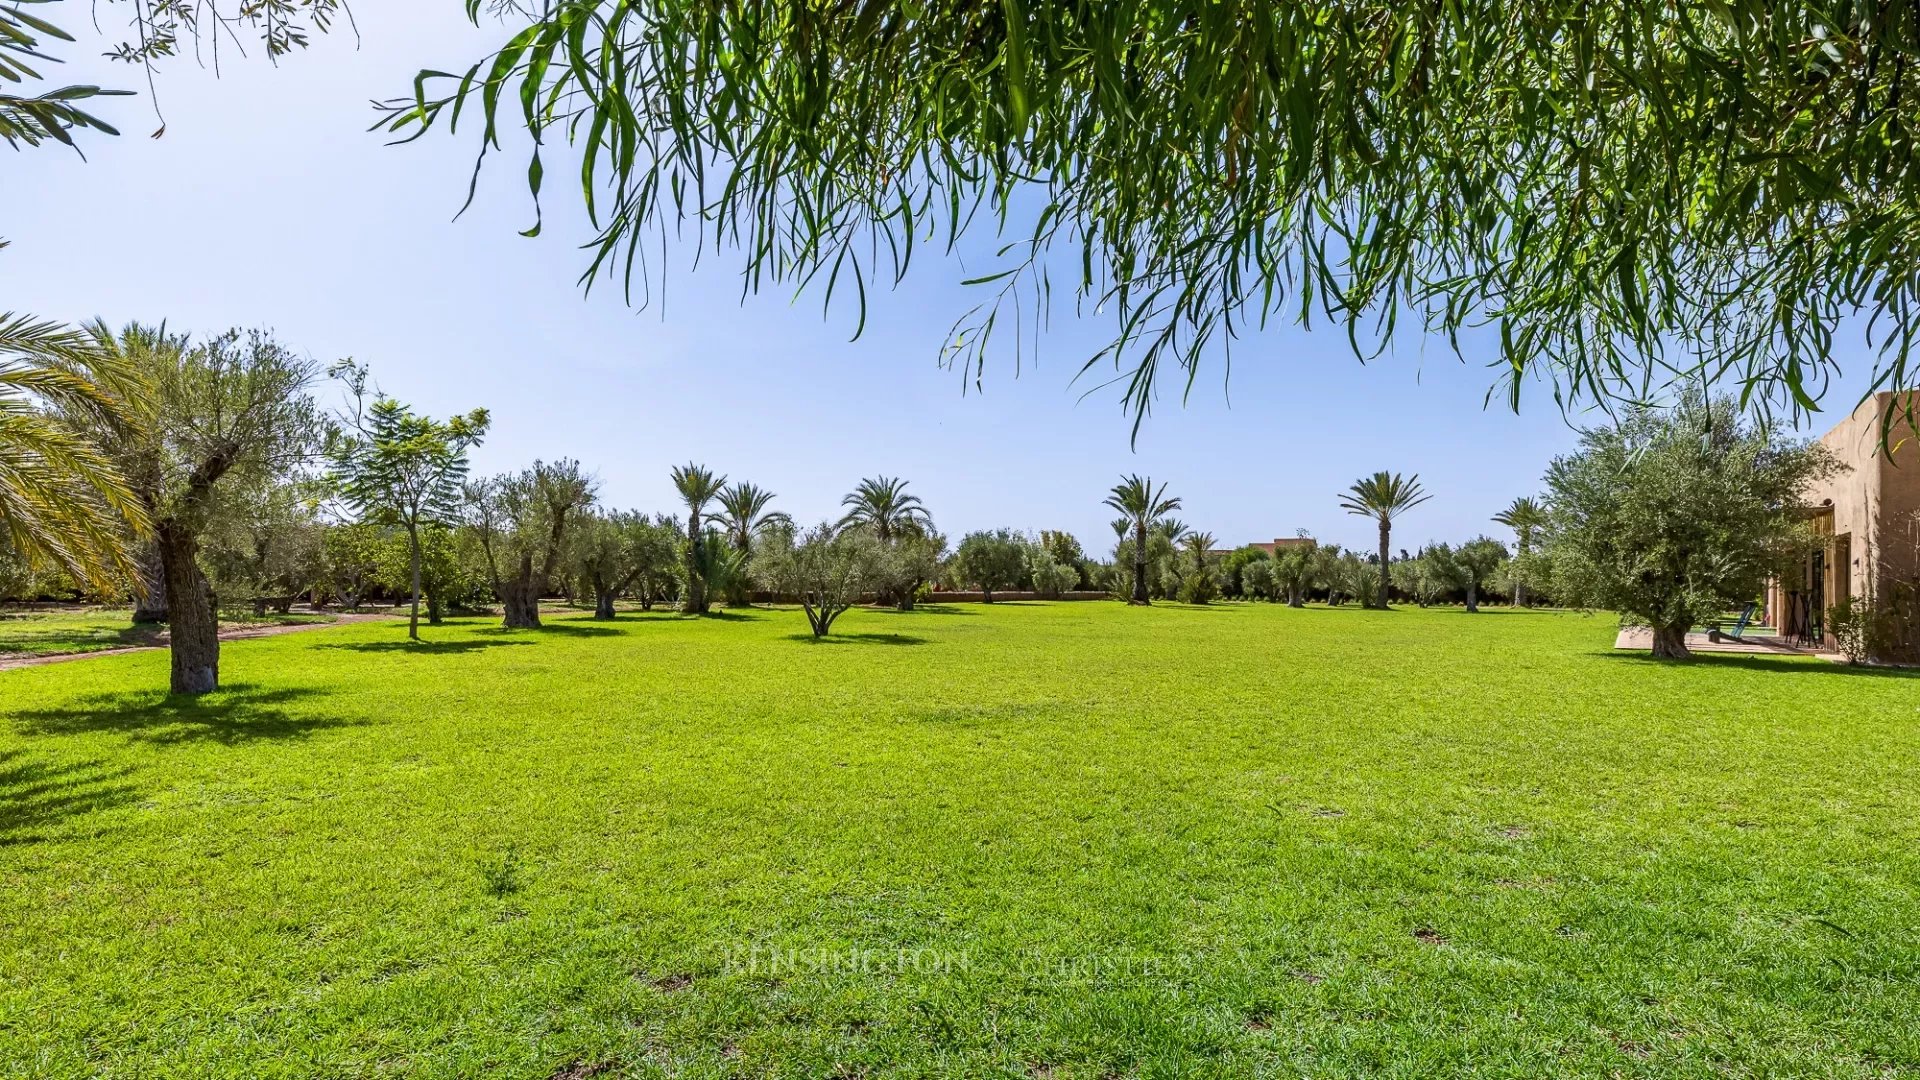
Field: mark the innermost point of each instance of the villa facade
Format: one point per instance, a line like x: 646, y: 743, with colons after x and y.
x: 1868, y: 518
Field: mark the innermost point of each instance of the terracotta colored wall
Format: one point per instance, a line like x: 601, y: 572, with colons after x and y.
x: 1873, y: 501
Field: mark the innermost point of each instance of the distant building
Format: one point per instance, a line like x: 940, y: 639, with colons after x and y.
x: 1868, y: 516
x: 1276, y: 545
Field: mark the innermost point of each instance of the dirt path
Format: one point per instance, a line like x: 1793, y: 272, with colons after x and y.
x: 343, y: 619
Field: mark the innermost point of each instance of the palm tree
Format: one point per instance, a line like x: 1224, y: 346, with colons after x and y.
x: 62, y: 502
x: 1525, y: 517
x: 1381, y: 497
x: 1144, y: 506
x: 697, y: 486
x: 883, y: 505
x: 744, y: 515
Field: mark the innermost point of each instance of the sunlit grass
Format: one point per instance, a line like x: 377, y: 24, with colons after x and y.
x: 1065, y: 840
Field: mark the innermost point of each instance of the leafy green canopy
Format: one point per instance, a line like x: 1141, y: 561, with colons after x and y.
x: 1623, y: 191
x: 1671, y: 517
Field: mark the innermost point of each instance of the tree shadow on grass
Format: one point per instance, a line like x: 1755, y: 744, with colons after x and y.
x: 859, y: 639
x: 1786, y: 665
x: 555, y: 626
x: 38, y: 794
x: 422, y: 648
x: 931, y: 609
x: 75, y: 640
x: 236, y: 714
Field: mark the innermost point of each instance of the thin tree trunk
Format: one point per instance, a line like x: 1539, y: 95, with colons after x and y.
x: 1670, y: 643
x: 150, y: 601
x: 1386, y: 580
x: 194, y: 628
x: 696, y: 599
x: 1473, y: 596
x: 1140, y: 563
x: 413, y: 551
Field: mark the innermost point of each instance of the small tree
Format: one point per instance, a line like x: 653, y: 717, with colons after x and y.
x: 1526, y: 517
x: 697, y: 486
x: 1234, y: 565
x: 1066, y: 550
x: 1257, y: 580
x: 657, y: 562
x: 521, y: 521
x: 1325, y: 570
x: 1479, y: 560
x: 1143, y: 505
x: 1050, y: 577
x: 1383, y: 497
x: 744, y: 516
x: 451, y: 574
x: 1198, y: 585
x: 607, y: 553
x: 351, y: 558
x: 827, y: 570
x: 1293, y: 574
x: 1669, y: 516
x: 913, y: 560
x: 989, y: 561
x: 394, y: 465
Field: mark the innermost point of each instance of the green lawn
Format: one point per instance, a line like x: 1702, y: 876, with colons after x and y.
x: 53, y: 631
x: 1073, y: 840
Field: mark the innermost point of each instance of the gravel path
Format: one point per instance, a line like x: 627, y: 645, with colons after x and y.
x: 8, y: 663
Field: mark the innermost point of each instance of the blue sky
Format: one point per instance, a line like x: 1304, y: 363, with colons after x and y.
x: 266, y: 203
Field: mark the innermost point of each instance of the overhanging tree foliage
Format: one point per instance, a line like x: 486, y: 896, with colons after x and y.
x: 156, y: 30
x: 1622, y: 190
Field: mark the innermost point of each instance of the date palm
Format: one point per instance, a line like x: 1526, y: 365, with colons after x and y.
x: 744, y: 515
x: 62, y: 502
x: 1525, y: 517
x: 882, y: 505
x: 1143, y: 505
x: 1382, y: 497
x: 698, y: 486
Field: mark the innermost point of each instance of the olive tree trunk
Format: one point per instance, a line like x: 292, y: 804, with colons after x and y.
x: 1670, y: 643
x: 520, y: 598
x: 150, y: 600
x: 603, y: 602
x: 193, y: 627
x: 1473, y: 596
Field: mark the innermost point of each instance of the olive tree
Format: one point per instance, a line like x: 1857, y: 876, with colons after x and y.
x: 521, y: 521
x: 827, y: 569
x: 990, y: 560
x: 1480, y: 561
x: 202, y: 418
x: 1671, y: 514
x: 625, y: 551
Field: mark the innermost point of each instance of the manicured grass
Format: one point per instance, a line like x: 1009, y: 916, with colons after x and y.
x: 52, y: 631
x: 57, y: 631
x: 1071, y: 840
